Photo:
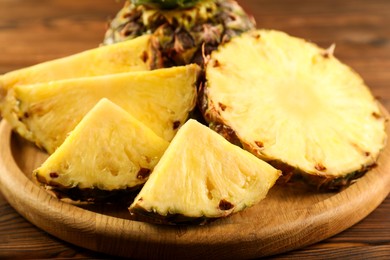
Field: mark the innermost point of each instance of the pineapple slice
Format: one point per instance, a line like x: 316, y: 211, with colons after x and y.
x: 117, y: 58
x: 202, y: 176
x: 162, y: 99
x: 108, y: 152
x: 294, y: 105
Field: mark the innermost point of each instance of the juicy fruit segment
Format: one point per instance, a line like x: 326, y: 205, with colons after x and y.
x: 202, y: 176
x: 294, y: 105
x: 179, y: 36
x: 122, y: 57
x: 162, y: 99
x: 108, y: 151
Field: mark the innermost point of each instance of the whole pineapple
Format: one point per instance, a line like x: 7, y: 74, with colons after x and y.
x: 182, y: 31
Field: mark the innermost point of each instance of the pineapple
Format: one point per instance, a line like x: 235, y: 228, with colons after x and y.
x: 202, y: 176
x: 121, y: 57
x: 294, y: 105
x: 181, y: 30
x: 166, y: 4
x: 45, y: 113
x: 108, y: 153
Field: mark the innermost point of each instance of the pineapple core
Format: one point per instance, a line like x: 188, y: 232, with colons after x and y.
x: 201, y: 176
x: 108, y: 150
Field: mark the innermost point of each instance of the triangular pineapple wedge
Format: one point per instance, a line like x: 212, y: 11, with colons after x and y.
x: 295, y: 105
x: 109, y: 152
x: 122, y: 57
x: 202, y: 176
x: 162, y: 99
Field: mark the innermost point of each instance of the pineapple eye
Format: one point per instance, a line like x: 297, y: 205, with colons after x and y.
x: 143, y: 173
x: 176, y: 125
x: 54, y: 175
x: 225, y: 205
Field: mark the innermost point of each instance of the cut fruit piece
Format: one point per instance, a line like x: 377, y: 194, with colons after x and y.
x: 162, y: 99
x: 294, y: 105
x: 108, y: 152
x: 117, y: 58
x: 202, y: 176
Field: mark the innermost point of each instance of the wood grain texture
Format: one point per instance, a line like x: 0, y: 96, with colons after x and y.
x: 32, y: 33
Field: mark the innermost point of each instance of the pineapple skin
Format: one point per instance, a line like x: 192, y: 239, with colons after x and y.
x: 292, y: 175
x: 166, y: 4
x: 180, y: 36
x: 142, y: 215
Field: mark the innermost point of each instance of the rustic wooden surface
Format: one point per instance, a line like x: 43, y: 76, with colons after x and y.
x: 36, y: 31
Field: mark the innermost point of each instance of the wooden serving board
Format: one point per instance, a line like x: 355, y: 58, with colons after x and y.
x: 287, y: 219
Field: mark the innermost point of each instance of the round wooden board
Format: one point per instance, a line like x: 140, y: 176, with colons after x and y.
x: 287, y: 219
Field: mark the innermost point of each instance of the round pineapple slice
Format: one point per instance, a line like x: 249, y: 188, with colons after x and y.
x: 294, y: 105
x: 201, y: 176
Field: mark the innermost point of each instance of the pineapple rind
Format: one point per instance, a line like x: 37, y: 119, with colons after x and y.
x: 180, y: 36
x: 105, y: 152
x: 166, y: 4
x: 202, y: 170
x: 340, y: 103
x: 45, y: 113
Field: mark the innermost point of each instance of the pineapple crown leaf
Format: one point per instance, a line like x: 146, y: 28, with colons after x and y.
x: 166, y: 4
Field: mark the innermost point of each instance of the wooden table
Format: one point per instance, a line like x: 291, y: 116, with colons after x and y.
x: 36, y: 31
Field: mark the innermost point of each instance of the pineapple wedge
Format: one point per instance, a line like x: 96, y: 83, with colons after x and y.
x: 108, y: 152
x: 45, y: 113
x: 117, y: 58
x: 202, y: 176
x: 294, y: 105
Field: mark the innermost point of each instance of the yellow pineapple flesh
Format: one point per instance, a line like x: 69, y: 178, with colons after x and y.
x: 202, y: 176
x: 108, y: 151
x: 45, y: 113
x: 116, y: 58
x: 295, y: 105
